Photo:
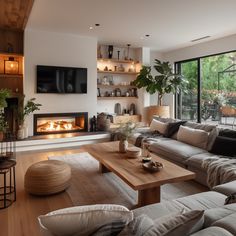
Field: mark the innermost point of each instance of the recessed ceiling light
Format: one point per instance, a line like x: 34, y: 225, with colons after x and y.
x: 90, y: 27
x: 205, y: 37
x: 97, y: 24
x: 147, y: 35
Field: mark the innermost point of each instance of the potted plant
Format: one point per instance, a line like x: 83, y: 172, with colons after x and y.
x: 125, y: 131
x: 4, y: 94
x: 28, y: 108
x: 163, y: 83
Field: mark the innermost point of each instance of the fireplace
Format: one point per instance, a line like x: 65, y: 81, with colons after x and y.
x: 56, y: 123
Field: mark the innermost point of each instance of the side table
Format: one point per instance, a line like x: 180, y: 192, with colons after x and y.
x: 7, y: 183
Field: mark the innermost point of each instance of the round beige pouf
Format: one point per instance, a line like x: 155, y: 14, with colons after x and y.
x: 47, y: 177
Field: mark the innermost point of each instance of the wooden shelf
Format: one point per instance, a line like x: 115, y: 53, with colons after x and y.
x: 117, y: 72
x: 113, y: 98
x: 10, y: 76
x: 115, y: 86
x: 117, y: 61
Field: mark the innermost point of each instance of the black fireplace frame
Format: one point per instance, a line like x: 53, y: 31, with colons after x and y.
x: 45, y: 115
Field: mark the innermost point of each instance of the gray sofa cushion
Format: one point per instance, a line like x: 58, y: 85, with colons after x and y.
x: 206, y: 127
x: 175, y: 150
x: 227, y: 188
x: 228, y: 223
x: 200, y: 201
x: 213, y: 231
x: 215, y: 214
x: 196, y: 160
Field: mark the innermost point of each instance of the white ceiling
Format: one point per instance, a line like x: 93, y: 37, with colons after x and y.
x: 171, y: 24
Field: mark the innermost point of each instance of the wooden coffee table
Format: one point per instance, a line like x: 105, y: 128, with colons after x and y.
x: 131, y: 171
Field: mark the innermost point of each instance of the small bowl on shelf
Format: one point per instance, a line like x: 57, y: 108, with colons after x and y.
x: 153, y: 166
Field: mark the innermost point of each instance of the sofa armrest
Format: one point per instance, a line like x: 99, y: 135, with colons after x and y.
x: 227, y: 188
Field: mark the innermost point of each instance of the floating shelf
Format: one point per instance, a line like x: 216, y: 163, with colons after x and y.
x: 117, y: 72
x: 113, y: 98
x: 117, y: 61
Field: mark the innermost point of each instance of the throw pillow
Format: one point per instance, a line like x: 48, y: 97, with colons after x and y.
x: 176, y: 225
x: 194, y: 137
x: 83, y: 219
x: 227, y: 133
x: 158, y: 126
x: 224, y: 146
x: 212, y: 137
x: 172, y: 128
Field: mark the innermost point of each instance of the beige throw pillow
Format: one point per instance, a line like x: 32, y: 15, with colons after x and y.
x: 83, y: 219
x: 194, y: 137
x: 177, y: 224
x: 158, y: 126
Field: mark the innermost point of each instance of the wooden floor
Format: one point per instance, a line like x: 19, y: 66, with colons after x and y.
x: 20, y: 219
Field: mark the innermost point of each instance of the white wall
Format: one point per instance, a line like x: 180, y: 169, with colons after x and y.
x: 56, y: 49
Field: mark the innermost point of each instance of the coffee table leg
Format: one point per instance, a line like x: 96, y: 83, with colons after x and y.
x: 149, y: 196
x: 103, y: 168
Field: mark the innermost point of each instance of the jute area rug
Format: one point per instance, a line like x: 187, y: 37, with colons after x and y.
x: 89, y: 186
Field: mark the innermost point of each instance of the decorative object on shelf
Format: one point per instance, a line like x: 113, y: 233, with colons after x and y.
x: 163, y: 83
x: 103, y: 122
x: 111, y: 81
x: 121, y: 68
x: 11, y: 66
x: 118, y: 109
x: 98, y: 92
x: 128, y: 47
x: 115, y: 68
x: 93, y: 124
x: 106, y: 68
x: 118, y: 55
x: 125, y: 130
x: 132, y: 110
x: 110, y: 51
x: 118, y: 92
x: 29, y: 107
x: 99, y: 52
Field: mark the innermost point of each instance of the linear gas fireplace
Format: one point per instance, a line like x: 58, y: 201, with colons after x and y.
x: 55, y: 123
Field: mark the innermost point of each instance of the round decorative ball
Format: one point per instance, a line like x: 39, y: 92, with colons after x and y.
x: 47, y: 177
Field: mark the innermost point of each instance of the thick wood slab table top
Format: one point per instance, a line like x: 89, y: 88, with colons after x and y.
x: 131, y: 171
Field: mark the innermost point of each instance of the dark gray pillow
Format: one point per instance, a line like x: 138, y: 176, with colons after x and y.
x: 172, y: 128
x: 224, y: 146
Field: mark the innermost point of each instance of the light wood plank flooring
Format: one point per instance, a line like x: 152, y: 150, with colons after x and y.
x: 20, y: 219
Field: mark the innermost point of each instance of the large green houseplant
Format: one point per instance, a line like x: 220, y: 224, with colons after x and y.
x: 164, y: 82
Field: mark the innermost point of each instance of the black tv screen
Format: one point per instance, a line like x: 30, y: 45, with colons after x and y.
x: 55, y: 79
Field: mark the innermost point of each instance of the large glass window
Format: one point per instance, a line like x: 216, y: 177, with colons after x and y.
x: 211, y: 96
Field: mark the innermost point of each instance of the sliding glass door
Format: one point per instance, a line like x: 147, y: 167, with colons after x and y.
x: 187, y: 105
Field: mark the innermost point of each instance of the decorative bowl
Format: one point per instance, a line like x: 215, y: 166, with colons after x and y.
x: 153, y: 166
x: 133, y: 152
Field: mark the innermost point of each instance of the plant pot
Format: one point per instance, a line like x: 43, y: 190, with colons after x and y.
x: 20, y: 132
x: 26, y: 131
x: 123, y: 145
x: 161, y: 111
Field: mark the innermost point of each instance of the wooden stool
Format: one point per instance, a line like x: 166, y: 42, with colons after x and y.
x: 47, y: 177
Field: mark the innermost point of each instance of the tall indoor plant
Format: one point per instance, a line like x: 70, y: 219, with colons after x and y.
x: 29, y: 107
x: 4, y: 94
x: 166, y: 81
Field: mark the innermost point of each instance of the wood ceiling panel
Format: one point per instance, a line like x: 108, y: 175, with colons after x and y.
x: 14, y: 14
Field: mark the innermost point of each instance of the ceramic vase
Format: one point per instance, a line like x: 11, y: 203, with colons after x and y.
x: 20, y: 133
x: 123, y: 145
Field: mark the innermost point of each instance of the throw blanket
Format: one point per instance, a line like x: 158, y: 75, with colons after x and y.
x: 146, y: 135
x: 219, y: 170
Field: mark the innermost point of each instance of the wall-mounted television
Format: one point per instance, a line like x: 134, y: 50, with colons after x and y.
x: 56, y: 79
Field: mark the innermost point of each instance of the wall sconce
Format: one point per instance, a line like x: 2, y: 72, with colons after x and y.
x: 11, y: 66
